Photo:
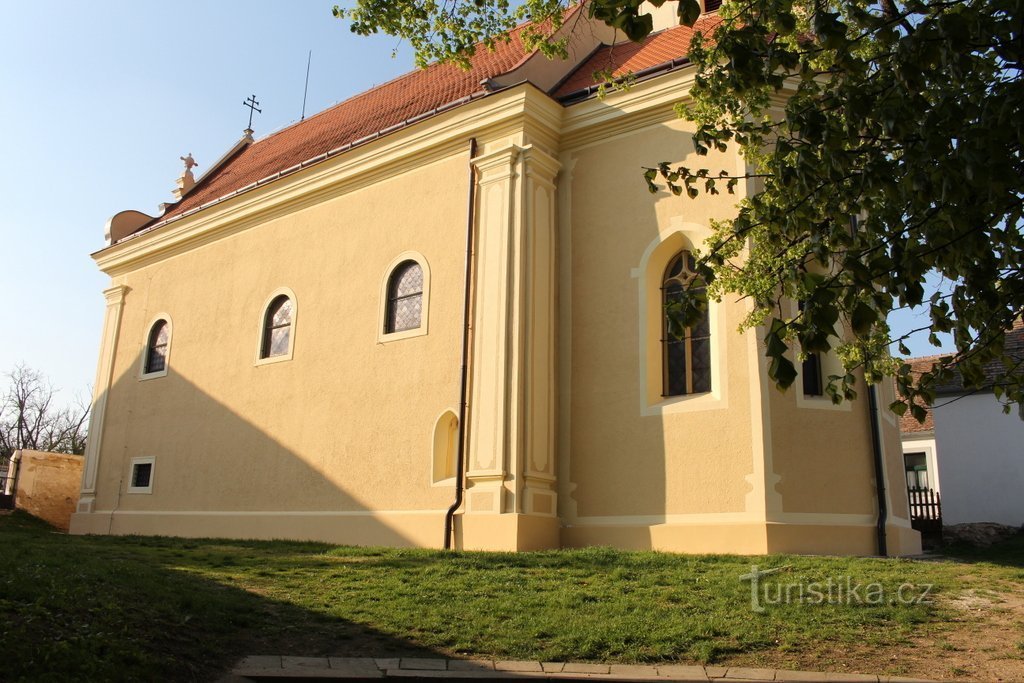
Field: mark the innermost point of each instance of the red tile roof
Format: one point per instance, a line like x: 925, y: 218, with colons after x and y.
x: 416, y: 94
x: 628, y: 57
x: 1013, y: 347
x: 386, y: 105
x: 909, y: 423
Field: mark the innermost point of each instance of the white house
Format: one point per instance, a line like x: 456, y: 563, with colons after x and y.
x: 969, y: 450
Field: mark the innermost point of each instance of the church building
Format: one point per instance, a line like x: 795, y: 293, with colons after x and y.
x: 433, y: 314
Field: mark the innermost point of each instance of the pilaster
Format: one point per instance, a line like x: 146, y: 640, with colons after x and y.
x: 104, y: 378
x: 511, y: 469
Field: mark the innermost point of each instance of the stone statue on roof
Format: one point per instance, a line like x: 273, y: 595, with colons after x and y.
x: 187, y: 180
x: 190, y: 163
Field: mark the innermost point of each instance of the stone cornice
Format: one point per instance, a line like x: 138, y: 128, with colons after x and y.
x: 647, y: 102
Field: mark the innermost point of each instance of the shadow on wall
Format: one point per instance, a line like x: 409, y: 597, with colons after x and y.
x: 216, y: 473
x: 614, y: 462
x: 102, y: 608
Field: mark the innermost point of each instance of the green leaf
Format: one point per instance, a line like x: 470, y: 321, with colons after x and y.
x: 783, y: 372
x: 689, y: 12
x: 862, y: 318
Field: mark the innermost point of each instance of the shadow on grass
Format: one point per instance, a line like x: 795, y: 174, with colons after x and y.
x: 1008, y: 553
x: 102, y: 608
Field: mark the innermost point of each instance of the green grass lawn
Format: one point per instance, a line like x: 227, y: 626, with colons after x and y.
x: 145, y: 608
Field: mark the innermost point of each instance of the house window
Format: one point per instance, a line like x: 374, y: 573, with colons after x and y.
x: 141, y: 480
x: 157, y: 345
x: 917, y: 470
x: 277, y: 328
x: 686, y: 352
x: 405, y: 298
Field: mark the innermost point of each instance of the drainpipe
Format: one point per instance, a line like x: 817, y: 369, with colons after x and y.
x: 460, y: 455
x: 876, y: 451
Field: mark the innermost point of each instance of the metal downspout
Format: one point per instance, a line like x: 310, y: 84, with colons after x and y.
x: 876, y: 450
x: 460, y: 457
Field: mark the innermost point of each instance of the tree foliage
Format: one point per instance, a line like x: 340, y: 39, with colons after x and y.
x: 29, y: 418
x: 884, y: 147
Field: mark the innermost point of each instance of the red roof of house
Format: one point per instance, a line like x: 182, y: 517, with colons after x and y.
x: 1013, y: 347
x: 416, y: 94
x: 629, y: 57
x: 909, y: 423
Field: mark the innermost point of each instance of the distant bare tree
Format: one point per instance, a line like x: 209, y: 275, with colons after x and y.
x: 30, y: 420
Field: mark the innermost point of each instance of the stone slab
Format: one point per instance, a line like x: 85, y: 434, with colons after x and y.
x: 743, y: 673
x: 633, y: 671
x: 683, y: 672
x: 305, y: 662
x: 576, y: 668
x: 519, y: 666
x: 470, y: 665
x: 355, y: 667
x: 423, y: 664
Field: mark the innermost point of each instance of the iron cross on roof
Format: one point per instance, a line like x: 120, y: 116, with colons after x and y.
x: 252, y: 103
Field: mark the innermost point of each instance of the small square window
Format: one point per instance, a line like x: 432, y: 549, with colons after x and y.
x: 141, y: 480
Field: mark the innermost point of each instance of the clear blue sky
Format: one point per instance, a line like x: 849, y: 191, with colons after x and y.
x: 98, y: 102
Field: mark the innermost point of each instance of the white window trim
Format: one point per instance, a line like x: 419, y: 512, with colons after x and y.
x: 659, y: 252
x: 151, y: 461
x: 927, y: 446
x: 143, y: 375
x: 382, y: 310
x: 830, y: 365
x: 262, y: 321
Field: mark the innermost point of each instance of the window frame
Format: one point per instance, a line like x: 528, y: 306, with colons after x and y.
x: 649, y: 273
x: 136, y: 462
x: 383, y: 336
x: 144, y: 364
x: 684, y: 255
x: 262, y: 322
x: 828, y: 364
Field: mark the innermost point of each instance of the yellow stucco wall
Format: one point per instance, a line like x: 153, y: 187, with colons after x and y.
x: 347, y: 424
x: 623, y: 462
x: 570, y: 442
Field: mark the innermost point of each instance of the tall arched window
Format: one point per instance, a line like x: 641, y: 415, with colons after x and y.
x: 686, y: 351
x: 157, y: 345
x: 277, y: 328
x: 405, y: 298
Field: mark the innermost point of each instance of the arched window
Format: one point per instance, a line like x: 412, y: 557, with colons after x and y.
x: 156, y: 348
x: 405, y: 298
x: 277, y: 328
x: 686, y: 351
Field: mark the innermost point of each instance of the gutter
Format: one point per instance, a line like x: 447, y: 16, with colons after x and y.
x: 467, y: 305
x: 642, y: 75
x: 876, y: 452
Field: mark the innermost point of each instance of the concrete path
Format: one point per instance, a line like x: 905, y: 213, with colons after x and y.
x: 284, y: 667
